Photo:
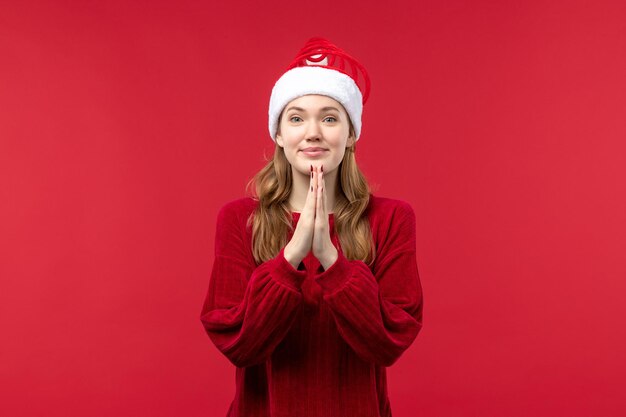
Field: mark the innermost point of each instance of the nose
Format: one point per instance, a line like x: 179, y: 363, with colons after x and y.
x: 312, y: 131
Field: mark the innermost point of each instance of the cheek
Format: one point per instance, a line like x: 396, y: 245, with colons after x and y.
x: 291, y: 146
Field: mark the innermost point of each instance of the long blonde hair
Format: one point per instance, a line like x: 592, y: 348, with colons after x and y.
x: 271, y: 219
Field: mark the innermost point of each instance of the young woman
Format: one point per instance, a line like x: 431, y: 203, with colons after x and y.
x: 314, y: 289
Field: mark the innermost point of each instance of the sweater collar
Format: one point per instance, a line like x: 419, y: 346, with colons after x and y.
x: 296, y: 216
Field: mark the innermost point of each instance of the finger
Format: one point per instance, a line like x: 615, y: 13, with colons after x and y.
x: 324, y: 195
x: 322, y: 192
x: 314, y: 204
x: 321, y: 210
x: 309, y: 204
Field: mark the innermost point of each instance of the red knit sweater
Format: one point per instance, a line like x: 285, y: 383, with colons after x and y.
x: 313, y: 342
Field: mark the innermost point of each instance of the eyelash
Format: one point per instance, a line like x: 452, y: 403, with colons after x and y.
x: 331, y: 117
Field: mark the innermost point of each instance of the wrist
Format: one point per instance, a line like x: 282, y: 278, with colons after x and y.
x: 291, y: 257
x: 329, y: 259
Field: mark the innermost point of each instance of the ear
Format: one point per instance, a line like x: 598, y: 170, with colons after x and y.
x: 351, y: 140
x: 279, y: 140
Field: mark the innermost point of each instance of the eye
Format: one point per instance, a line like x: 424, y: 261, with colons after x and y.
x: 331, y: 117
x: 294, y: 117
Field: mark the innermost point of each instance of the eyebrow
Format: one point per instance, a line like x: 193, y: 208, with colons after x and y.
x: 303, y: 110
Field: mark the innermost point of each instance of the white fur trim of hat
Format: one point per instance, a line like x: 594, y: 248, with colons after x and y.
x: 301, y: 81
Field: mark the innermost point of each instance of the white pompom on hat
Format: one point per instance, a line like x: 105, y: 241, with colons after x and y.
x: 321, y: 68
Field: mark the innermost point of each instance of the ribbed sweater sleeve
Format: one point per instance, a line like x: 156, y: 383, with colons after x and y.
x: 378, y: 314
x: 248, y: 310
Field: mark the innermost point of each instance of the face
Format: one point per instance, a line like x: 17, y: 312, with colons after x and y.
x: 314, y: 121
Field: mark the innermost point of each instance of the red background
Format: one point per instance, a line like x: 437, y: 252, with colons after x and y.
x: 124, y: 127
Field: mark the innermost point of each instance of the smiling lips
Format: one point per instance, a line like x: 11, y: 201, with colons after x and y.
x: 314, y: 151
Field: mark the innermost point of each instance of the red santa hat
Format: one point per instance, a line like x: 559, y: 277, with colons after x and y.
x: 322, y: 68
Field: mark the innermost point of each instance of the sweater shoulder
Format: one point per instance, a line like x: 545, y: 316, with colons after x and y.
x: 242, y: 204
x: 386, y: 209
x: 393, y: 226
x: 237, y: 210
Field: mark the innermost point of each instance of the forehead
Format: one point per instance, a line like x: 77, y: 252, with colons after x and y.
x: 314, y: 102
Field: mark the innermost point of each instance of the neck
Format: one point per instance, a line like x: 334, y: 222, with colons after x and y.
x: 301, y: 187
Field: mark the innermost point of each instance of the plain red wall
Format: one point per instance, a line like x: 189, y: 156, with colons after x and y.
x: 124, y: 127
